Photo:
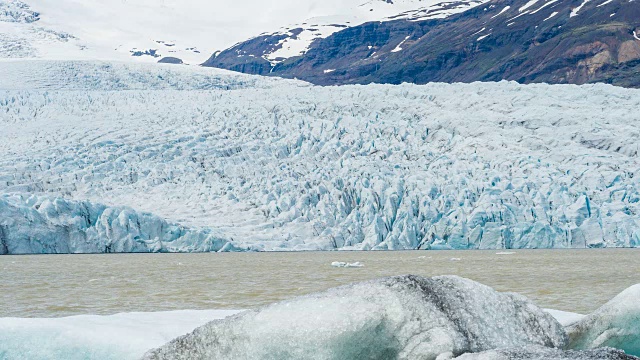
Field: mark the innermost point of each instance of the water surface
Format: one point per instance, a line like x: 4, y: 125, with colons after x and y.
x: 62, y: 285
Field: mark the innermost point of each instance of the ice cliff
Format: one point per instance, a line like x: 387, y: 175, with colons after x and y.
x: 269, y: 164
x: 39, y: 225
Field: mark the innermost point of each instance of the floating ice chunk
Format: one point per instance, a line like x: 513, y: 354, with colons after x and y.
x: 339, y: 264
x: 405, y: 317
x: 455, y: 259
x: 616, y: 324
x: 543, y: 353
x: 505, y: 253
x: 564, y: 317
x: 118, y: 337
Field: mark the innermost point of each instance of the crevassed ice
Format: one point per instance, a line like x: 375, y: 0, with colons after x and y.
x: 281, y: 165
x: 39, y: 225
x: 405, y: 317
x: 616, y: 324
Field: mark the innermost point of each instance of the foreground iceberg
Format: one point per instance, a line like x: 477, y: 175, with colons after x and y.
x: 405, y: 317
x: 542, y: 353
x: 616, y: 324
x: 125, y: 336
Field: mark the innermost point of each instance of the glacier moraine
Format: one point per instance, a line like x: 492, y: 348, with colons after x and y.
x: 190, y: 159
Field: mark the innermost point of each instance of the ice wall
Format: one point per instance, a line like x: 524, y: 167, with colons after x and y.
x: 39, y: 225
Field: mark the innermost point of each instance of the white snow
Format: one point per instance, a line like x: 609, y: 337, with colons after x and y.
x: 552, y: 15
x: 270, y: 164
x: 328, y: 71
x: 484, y: 37
x: 575, y: 11
x: 437, y: 10
x: 115, y: 337
x: 528, y: 5
x: 544, y: 6
x: 479, y: 31
x: 506, y: 8
x: 399, y: 47
x: 635, y: 35
x: 605, y: 3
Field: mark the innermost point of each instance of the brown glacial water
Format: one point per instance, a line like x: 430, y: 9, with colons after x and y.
x: 62, y: 285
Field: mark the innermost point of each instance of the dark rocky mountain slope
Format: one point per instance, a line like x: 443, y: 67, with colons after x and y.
x: 552, y: 41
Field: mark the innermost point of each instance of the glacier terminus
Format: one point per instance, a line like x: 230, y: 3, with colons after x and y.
x: 188, y: 159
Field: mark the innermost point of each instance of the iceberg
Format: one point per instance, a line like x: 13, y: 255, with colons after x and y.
x: 125, y: 336
x: 564, y: 317
x: 542, y: 353
x: 404, y: 317
x: 616, y: 324
x: 340, y: 264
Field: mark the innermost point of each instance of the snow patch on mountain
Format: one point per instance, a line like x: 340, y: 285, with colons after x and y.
x: 141, y: 30
x: 298, y: 38
x: 269, y: 164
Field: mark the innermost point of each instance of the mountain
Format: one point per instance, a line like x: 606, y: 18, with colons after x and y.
x: 150, y: 30
x: 552, y: 41
x: 200, y: 159
x: 263, y: 54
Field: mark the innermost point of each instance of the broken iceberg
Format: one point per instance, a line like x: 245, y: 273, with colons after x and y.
x: 405, y: 317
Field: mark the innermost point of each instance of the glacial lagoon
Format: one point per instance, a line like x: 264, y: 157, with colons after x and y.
x: 65, y: 285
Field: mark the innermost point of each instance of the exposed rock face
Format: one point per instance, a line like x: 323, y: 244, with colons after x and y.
x: 567, y: 41
x: 170, y: 60
x: 629, y: 51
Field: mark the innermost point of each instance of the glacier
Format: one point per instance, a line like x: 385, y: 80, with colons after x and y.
x: 41, y: 225
x: 404, y: 317
x: 257, y: 164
